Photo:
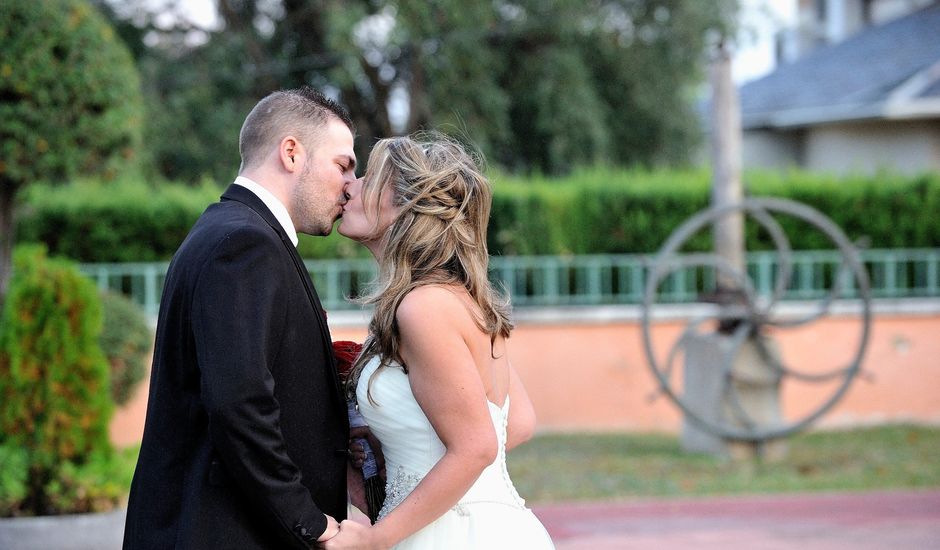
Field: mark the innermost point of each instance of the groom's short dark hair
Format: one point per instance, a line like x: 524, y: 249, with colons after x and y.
x: 300, y: 111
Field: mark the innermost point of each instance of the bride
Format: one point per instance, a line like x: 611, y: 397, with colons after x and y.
x: 434, y: 381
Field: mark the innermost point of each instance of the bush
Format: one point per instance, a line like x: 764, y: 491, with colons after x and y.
x: 124, y: 221
x: 596, y: 211
x: 14, y: 479
x: 55, y: 401
x: 126, y: 340
x: 602, y: 211
x: 129, y: 221
x: 98, y: 484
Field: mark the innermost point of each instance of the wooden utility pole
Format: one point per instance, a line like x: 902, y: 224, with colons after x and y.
x: 726, y: 163
x: 755, y: 384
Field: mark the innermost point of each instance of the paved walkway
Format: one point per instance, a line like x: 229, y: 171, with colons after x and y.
x: 859, y: 521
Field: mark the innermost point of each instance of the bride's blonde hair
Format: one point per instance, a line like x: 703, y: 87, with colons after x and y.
x: 438, y: 236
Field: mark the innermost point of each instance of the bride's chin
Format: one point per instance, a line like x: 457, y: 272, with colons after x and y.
x: 346, y: 233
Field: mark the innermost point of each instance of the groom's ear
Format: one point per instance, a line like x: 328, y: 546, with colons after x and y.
x: 288, y: 149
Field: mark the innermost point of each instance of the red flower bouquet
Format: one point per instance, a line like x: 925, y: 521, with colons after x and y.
x: 346, y: 353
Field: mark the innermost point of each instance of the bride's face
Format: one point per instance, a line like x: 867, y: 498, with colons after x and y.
x: 366, y: 218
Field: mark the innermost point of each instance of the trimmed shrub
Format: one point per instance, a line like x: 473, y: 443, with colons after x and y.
x: 55, y: 402
x: 123, y: 221
x: 602, y: 211
x: 126, y: 340
x: 593, y: 211
x: 129, y: 221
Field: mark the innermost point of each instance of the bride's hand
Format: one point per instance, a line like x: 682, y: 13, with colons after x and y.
x: 354, y: 535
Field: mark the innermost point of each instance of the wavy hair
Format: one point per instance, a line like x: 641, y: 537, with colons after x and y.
x: 438, y: 236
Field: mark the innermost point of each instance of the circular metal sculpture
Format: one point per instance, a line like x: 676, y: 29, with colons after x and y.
x: 745, y: 315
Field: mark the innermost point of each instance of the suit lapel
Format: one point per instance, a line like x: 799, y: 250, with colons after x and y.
x: 243, y: 195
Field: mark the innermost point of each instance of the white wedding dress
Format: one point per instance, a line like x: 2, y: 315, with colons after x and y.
x: 491, y: 515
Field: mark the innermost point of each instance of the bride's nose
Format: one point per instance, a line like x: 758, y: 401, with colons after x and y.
x: 354, y: 187
x: 346, y: 194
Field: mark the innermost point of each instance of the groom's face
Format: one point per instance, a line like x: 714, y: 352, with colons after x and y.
x: 319, y: 195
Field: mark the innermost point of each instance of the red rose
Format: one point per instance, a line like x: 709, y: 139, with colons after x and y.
x: 346, y: 353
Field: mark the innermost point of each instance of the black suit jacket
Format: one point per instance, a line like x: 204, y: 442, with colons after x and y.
x: 244, y: 442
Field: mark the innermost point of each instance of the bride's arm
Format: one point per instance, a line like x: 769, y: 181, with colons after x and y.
x: 432, y: 324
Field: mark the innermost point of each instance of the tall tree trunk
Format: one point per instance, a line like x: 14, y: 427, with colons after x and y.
x: 380, y: 91
x: 419, y: 112
x: 7, y: 196
x: 239, y: 18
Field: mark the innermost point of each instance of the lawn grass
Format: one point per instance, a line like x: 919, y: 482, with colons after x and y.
x: 566, y: 467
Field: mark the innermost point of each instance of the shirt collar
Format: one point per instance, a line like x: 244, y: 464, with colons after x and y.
x: 274, y: 205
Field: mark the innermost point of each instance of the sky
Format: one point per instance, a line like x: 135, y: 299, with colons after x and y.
x: 754, y: 56
x: 760, y: 19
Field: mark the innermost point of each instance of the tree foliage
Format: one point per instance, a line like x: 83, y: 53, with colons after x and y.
x: 537, y: 86
x: 70, y: 100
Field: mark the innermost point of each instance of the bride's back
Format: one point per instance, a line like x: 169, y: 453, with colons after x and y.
x: 490, y: 355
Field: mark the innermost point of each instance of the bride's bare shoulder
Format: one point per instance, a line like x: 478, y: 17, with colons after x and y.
x: 433, y: 303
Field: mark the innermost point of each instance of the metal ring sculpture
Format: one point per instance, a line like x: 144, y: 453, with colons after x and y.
x: 755, y: 313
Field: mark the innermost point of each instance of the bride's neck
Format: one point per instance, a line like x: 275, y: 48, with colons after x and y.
x: 376, y: 248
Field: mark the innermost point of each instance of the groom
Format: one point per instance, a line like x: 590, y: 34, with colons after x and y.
x: 245, y: 440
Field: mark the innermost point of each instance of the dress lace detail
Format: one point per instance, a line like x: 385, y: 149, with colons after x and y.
x: 403, y: 483
x: 397, y: 489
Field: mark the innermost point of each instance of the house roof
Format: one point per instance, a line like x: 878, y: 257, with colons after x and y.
x: 891, y: 71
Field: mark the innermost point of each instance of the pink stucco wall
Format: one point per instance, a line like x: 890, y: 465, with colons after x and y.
x: 594, y: 376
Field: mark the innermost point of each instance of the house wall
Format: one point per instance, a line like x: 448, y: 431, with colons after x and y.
x: 865, y: 147
x: 771, y: 149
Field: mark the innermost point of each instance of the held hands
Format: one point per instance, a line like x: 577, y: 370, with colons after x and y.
x: 332, y: 529
x: 353, y: 535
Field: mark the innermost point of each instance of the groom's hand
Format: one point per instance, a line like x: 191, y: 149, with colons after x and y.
x: 355, y: 485
x: 357, y: 453
x: 332, y: 529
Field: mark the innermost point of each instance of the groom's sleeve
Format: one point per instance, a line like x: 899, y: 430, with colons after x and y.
x: 237, y: 309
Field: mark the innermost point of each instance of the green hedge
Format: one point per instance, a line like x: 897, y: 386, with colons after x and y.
x: 129, y: 221
x: 606, y: 211
x: 592, y: 211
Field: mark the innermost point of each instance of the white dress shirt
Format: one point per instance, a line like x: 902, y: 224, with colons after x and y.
x: 274, y: 205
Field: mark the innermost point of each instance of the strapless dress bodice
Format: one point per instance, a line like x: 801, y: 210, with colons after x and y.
x: 412, y: 447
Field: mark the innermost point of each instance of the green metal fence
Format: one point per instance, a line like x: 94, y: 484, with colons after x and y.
x: 589, y: 280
